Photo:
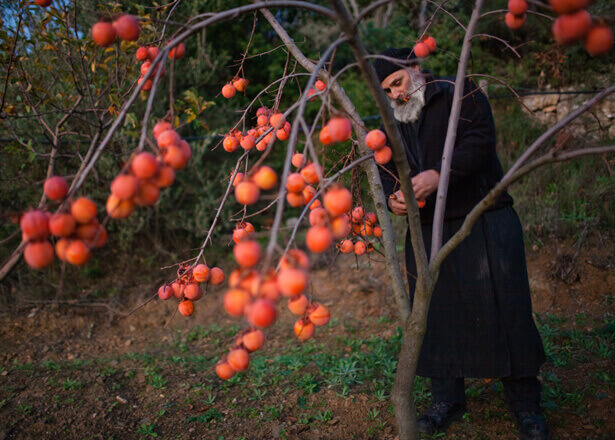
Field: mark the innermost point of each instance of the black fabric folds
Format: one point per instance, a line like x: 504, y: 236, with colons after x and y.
x: 480, y: 321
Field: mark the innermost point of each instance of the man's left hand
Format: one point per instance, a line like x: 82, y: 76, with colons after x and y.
x: 425, y: 183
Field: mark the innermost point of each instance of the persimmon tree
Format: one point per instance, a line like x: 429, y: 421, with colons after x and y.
x: 94, y: 87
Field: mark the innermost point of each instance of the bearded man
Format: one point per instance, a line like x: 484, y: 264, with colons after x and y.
x: 480, y: 321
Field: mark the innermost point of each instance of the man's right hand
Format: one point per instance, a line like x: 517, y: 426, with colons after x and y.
x: 397, y: 203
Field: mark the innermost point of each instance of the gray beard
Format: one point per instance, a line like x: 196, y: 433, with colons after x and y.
x: 409, y: 111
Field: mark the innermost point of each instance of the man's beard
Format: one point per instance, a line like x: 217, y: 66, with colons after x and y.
x: 407, y: 107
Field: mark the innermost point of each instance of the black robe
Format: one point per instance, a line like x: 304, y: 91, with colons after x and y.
x: 480, y: 321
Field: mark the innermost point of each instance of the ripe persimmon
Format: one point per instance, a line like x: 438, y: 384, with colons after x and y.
x: 517, y: 7
x: 34, y: 226
x: 60, y: 248
x: 216, y: 276
x: 295, y: 183
x: 318, y: 217
x: 383, y: 156
x: 186, y: 307
x: 514, y: 21
x: 38, y: 254
x: 165, y: 292
x: 359, y: 248
x: 193, y: 292
x: 568, y: 6
x: 320, y: 85
x: 119, y: 209
x: 570, y: 28
x: 247, y: 192
x: 262, y: 120
x: 261, y: 313
x: 239, y: 235
x: 160, y: 127
x: 310, y: 173
x: 127, y: 28
x: 375, y: 140
x: 295, y: 199
x: 175, y: 157
x: 147, y: 194
x: 337, y: 201
x: 124, y: 186
x: 144, y: 165
x: 240, y: 84
x: 304, y: 329
x: 298, y: 305
x: 228, y: 91
x: 292, y: 282
x: 315, y: 204
x: 431, y: 43
x: 230, y: 143
x: 247, y: 142
x: 599, y: 40
x: 308, y: 193
x: 178, y: 52
x: 84, y: 210
x: 277, y: 120
x: 55, y: 187
x: 147, y: 86
x: 224, y: 370
x: 62, y: 225
x: 264, y: 142
x: 77, y: 253
x: 270, y: 290
x: 178, y: 289
x: 319, y: 314
x: 340, y: 226
x: 201, y: 273
x: 166, y: 177
x: 247, y: 253
x: 295, y: 258
x: 43, y: 3
x: 236, y: 300
x: 298, y: 160
x: 168, y: 138
x: 325, y: 136
x: 253, y: 340
x: 318, y: 238
x: 357, y: 214
x: 142, y: 53
x: 103, y: 33
x: 238, y: 359
x: 265, y: 178
x: 346, y: 246
x: 340, y: 129
x: 378, y: 231
x: 421, y: 50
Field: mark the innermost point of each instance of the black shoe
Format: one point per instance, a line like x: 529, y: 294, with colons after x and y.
x: 532, y: 426
x: 439, y: 416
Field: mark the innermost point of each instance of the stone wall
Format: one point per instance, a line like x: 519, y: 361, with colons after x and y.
x: 551, y: 108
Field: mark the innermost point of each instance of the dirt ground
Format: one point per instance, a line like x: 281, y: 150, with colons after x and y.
x: 79, y: 373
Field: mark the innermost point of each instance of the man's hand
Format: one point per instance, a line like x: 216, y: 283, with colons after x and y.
x: 397, y: 203
x: 425, y: 183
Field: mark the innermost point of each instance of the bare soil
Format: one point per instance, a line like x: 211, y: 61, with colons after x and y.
x: 75, y: 373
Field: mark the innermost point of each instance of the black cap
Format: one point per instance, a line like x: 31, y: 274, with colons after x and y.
x: 384, y: 67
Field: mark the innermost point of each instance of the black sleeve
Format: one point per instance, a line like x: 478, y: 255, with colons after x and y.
x: 475, y: 142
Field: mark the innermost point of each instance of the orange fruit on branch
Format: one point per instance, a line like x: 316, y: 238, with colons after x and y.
x: 56, y: 187
x: 38, y: 254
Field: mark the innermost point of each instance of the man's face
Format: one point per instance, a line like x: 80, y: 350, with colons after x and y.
x: 406, y: 91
